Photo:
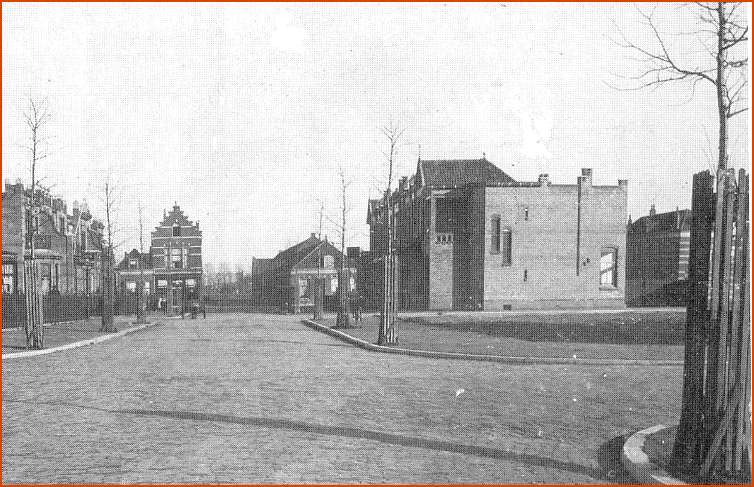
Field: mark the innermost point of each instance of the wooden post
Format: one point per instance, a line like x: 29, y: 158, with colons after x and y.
x: 687, y: 448
x: 713, y: 332
x: 737, y: 346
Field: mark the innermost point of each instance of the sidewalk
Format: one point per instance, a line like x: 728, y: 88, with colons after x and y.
x: 57, y: 334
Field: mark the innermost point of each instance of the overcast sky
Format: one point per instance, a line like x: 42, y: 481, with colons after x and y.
x: 243, y: 113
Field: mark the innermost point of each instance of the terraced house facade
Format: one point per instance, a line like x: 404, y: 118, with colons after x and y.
x: 176, y: 257
x: 469, y: 236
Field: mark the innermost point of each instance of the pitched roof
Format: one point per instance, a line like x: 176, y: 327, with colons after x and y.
x: 460, y: 172
x: 671, y: 221
x: 297, y: 252
x: 146, y: 261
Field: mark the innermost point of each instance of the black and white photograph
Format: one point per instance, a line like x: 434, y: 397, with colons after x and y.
x: 376, y: 243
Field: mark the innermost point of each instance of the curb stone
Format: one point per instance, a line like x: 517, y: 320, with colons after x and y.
x: 637, y: 463
x: 80, y: 343
x: 483, y: 358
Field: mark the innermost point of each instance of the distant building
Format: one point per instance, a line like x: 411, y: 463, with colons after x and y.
x: 132, y: 269
x: 657, y: 259
x: 468, y: 236
x: 288, y: 281
x: 176, y: 258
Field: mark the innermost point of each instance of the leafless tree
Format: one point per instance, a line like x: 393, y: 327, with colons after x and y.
x: 109, y: 197
x: 387, y: 334
x: 344, y: 277
x: 36, y: 116
x: 140, y: 304
x: 722, y: 35
x: 318, y: 290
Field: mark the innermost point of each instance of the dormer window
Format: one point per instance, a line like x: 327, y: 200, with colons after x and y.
x: 176, y: 230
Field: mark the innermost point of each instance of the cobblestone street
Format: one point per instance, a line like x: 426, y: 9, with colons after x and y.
x: 261, y: 398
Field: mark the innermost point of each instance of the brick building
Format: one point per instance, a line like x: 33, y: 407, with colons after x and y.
x: 175, y: 255
x: 133, y: 268
x: 68, y: 247
x: 288, y: 281
x: 68, y: 250
x: 469, y: 236
x: 657, y: 259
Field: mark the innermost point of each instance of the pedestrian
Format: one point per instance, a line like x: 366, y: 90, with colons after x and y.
x: 204, y: 311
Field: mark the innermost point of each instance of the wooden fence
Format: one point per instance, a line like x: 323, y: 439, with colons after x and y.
x: 714, y: 435
x: 56, y: 308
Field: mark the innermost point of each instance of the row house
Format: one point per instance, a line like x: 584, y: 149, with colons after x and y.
x: 68, y: 246
x: 172, y: 271
x: 469, y: 236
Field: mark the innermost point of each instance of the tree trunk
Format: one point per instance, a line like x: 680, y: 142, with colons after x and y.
x: 344, y: 308
x: 720, y: 81
x: 318, y: 299
x: 108, y: 324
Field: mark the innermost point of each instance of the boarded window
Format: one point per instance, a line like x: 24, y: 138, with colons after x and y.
x: 609, y: 267
x: 506, y: 246
x: 495, y: 244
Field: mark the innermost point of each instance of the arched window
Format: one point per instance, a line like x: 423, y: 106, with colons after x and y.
x: 495, y: 243
x: 506, y: 246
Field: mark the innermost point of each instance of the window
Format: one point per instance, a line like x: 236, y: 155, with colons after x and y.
x: 506, y: 246
x: 191, y: 282
x: 132, y: 262
x: 609, y: 267
x: 9, y: 278
x: 445, y: 216
x: 45, y: 271
x: 303, y: 288
x: 526, y: 275
x: 175, y: 258
x: 131, y: 286
x: 495, y: 245
x: 329, y: 261
x: 162, y: 283
x: 82, y: 239
x: 56, y: 276
x: 176, y: 230
x: 526, y: 214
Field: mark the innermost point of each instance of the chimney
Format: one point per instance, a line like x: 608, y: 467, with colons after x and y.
x: 586, y: 176
x: 313, y: 235
x: 544, y: 179
x: 652, y: 210
x: 623, y: 184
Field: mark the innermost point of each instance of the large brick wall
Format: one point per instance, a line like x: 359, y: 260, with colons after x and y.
x: 545, y: 245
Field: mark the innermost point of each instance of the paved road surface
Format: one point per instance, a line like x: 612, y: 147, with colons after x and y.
x: 257, y: 398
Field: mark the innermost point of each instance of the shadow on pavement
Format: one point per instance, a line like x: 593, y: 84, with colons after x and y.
x: 393, y: 439
x: 610, y: 467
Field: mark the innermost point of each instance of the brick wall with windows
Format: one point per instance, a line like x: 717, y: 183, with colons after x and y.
x: 546, y: 246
